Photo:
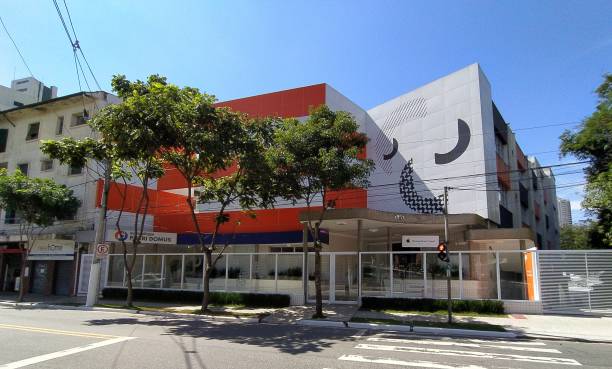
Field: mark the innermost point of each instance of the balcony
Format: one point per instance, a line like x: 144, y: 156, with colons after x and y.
x: 499, y: 125
x: 503, y: 173
x: 536, y: 210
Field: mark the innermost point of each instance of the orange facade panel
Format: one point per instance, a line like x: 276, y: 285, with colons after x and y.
x: 503, y: 173
x: 289, y: 103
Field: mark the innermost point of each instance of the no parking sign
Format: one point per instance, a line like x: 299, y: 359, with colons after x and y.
x: 102, y: 250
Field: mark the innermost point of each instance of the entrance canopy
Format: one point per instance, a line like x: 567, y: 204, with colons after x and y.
x: 375, y: 230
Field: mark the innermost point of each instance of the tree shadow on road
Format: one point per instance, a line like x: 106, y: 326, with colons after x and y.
x: 291, y: 339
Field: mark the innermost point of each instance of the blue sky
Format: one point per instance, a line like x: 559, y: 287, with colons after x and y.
x: 543, y: 58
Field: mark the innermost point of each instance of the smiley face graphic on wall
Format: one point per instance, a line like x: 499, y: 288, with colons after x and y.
x: 405, y: 113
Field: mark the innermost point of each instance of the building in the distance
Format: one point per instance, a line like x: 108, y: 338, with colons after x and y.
x: 25, y: 91
x: 565, y: 212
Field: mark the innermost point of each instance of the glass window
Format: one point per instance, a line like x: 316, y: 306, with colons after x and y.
x: 173, y: 267
x: 33, y: 129
x: 136, y: 272
x: 46, y: 165
x: 3, y: 139
x: 23, y: 168
x: 512, y: 276
x: 480, y: 276
x: 217, y: 274
x: 152, y: 275
x: 325, y: 260
x: 59, y: 127
x: 375, y: 273
x: 290, y: 273
x: 408, y: 275
x: 239, y: 274
x: 115, y: 271
x: 194, y: 267
x: 79, y: 119
x: 263, y: 273
x: 75, y: 170
x: 437, y: 285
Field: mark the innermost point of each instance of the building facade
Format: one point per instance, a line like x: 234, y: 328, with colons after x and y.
x: 25, y: 91
x: 564, y: 208
x: 448, y: 133
x: 53, y: 257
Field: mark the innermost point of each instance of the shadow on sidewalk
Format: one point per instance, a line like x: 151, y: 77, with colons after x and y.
x: 289, y: 339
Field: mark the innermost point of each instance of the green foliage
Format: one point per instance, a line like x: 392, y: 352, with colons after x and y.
x: 319, y: 154
x: 576, y: 236
x: 218, y: 298
x: 38, y: 201
x: 593, y: 141
x: 431, y: 305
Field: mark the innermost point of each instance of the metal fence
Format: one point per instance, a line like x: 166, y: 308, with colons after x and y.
x: 576, y: 282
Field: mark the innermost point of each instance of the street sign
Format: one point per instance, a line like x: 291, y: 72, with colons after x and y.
x: 420, y: 241
x: 102, y: 250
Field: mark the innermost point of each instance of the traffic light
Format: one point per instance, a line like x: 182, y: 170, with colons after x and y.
x: 442, y: 252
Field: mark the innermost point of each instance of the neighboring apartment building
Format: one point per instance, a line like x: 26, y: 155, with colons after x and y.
x: 53, y: 266
x: 446, y: 133
x: 565, y: 212
x: 25, y: 91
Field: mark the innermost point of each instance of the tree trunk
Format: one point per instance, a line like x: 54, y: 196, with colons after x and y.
x: 129, y: 300
x: 318, y: 293
x: 22, y: 277
x: 206, y: 284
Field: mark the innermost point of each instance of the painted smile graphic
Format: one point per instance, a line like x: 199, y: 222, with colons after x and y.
x: 462, y: 144
x: 393, y: 152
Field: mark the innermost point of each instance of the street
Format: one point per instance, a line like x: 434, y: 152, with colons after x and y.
x: 94, y: 339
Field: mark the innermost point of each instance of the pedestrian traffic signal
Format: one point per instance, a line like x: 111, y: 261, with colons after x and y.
x: 442, y: 252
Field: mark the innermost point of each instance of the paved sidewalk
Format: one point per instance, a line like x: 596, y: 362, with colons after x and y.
x: 292, y: 314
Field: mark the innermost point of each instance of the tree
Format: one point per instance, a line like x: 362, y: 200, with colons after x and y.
x: 593, y: 142
x: 315, y: 157
x: 575, y: 236
x: 136, y: 128
x: 220, y: 153
x: 38, y: 203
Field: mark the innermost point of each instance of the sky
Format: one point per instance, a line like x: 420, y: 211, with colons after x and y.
x: 544, y: 59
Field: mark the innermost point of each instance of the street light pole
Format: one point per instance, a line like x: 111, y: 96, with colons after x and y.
x: 448, y: 265
x: 93, y: 286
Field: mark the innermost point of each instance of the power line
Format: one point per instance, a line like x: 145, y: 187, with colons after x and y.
x: 16, y: 47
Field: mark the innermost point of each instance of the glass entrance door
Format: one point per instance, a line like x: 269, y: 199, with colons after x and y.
x: 346, y: 275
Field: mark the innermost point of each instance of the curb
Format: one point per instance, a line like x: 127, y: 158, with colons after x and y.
x: 404, y: 328
x: 39, y: 305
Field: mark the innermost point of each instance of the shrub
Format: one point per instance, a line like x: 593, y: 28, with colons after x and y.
x: 431, y: 305
x: 220, y: 298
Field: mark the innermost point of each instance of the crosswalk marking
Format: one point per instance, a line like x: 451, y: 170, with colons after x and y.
x: 520, y: 343
x: 477, y: 354
x: 417, y: 364
x: 461, y: 344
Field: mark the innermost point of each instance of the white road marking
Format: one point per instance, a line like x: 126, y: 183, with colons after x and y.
x: 417, y: 364
x: 58, y: 354
x: 523, y: 343
x: 482, y: 355
x: 359, y: 333
x: 462, y: 344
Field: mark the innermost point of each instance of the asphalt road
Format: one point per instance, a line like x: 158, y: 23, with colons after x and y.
x: 80, y: 339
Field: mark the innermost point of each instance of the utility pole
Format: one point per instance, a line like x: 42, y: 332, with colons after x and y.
x: 93, y: 286
x: 448, y: 265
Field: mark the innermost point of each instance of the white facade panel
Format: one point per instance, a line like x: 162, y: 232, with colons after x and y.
x: 421, y: 124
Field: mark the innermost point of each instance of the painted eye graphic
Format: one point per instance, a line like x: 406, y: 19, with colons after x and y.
x: 462, y: 144
x: 393, y: 151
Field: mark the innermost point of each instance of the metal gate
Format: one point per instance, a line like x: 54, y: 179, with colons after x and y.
x: 576, y: 282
